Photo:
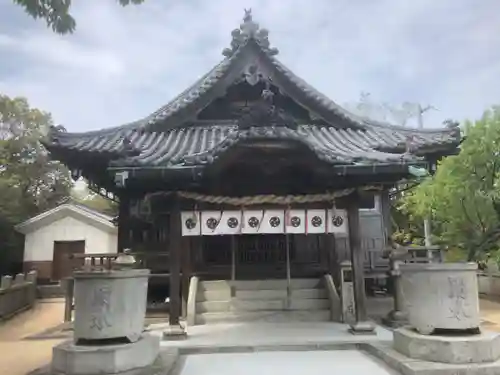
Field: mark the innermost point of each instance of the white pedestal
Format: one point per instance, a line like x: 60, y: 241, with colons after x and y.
x: 440, y: 296
x: 71, y: 359
x: 481, y: 348
x: 110, y: 304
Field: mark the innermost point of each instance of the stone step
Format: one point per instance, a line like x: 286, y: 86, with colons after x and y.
x: 318, y: 293
x: 213, y: 295
x: 262, y: 305
x: 265, y: 294
x: 267, y: 316
x: 270, y: 284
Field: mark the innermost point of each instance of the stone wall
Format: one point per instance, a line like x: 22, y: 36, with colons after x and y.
x: 17, y: 293
x: 489, y: 283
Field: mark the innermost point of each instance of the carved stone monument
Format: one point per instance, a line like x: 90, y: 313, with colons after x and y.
x: 441, y: 296
x: 110, y: 304
x: 347, y: 292
x: 110, y: 309
x: 443, y: 335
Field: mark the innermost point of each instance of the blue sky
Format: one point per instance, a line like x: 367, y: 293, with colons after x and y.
x: 124, y: 63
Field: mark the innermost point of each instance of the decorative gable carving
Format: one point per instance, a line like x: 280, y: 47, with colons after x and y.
x: 265, y: 113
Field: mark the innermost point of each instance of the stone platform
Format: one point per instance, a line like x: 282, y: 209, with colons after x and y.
x: 481, y: 348
x: 414, y: 354
x: 409, y: 366
x: 122, y: 359
x: 254, y: 335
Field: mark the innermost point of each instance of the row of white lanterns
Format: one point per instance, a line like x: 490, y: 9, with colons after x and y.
x: 233, y: 222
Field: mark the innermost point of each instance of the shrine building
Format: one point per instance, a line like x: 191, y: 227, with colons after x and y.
x: 252, y: 175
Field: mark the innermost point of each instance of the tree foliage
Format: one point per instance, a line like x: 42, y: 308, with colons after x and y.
x: 56, y: 13
x: 405, y: 228
x: 29, y: 181
x: 383, y: 111
x: 82, y: 195
x: 463, y: 198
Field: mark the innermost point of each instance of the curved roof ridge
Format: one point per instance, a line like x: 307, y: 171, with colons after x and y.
x: 324, y: 100
x: 153, y: 117
x: 196, y: 95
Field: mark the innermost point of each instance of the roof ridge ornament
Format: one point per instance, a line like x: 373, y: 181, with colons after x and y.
x: 249, y: 29
x: 263, y: 113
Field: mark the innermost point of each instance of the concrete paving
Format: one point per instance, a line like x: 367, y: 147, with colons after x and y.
x: 290, y: 363
x: 19, y: 356
x: 254, y: 334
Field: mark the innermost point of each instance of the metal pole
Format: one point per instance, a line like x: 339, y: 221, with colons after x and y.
x: 427, y: 232
x: 68, y: 301
x: 288, y: 281
x: 233, y: 265
x: 427, y: 223
x: 233, y: 259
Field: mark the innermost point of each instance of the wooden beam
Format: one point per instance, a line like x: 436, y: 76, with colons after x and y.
x: 361, y: 326
x: 175, y: 242
x: 123, y: 223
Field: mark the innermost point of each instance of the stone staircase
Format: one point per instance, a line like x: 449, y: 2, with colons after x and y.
x: 224, y: 301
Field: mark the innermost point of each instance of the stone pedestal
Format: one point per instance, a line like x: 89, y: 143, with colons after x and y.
x: 442, y: 299
x: 397, y: 317
x: 347, y: 293
x: 127, y: 359
x: 172, y: 333
x: 110, y: 309
x: 110, y: 304
x: 480, y: 348
x: 441, y: 296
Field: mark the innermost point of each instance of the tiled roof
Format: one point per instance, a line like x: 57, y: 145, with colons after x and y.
x: 171, y: 136
x: 201, y: 144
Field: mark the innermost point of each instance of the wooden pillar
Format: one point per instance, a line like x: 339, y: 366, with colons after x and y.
x: 123, y: 223
x: 175, y: 331
x: 361, y: 325
x: 385, y: 206
x: 333, y: 264
x: 186, y: 272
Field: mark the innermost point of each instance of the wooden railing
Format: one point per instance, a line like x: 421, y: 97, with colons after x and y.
x: 424, y: 254
x: 105, y: 260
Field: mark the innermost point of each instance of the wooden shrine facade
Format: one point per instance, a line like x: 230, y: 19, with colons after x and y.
x: 250, y: 145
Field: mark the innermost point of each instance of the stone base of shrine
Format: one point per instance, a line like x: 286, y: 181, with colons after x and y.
x: 122, y: 359
x: 410, y: 366
x: 414, y: 354
x: 480, y: 348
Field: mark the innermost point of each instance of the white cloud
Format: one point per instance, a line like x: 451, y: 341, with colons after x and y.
x: 123, y: 63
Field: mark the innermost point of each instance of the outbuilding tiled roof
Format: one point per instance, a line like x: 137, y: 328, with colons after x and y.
x: 172, y: 136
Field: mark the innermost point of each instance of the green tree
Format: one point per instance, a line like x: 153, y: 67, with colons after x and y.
x: 56, y: 13
x: 29, y: 181
x: 406, y: 229
x: 463, y: 198
x: 84, y: 196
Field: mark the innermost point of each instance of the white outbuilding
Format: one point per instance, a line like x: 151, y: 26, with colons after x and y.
x: 52, y: 236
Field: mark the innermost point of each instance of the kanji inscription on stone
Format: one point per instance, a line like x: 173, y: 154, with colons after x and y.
x: 458, y: 296
x: 100, y: 305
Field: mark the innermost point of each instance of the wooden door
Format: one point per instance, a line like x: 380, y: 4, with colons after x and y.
x: 63, y: 265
